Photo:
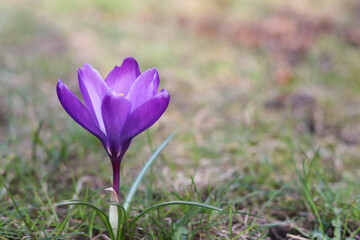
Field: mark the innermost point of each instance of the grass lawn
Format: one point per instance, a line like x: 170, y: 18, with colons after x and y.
x: 265, y: 99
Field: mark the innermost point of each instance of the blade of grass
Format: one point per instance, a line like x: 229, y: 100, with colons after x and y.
x: 198, y: 227
x: 28, y: 226
x: 246, y: 230
x: 156, y: 206
x: 62, y: 226
x: 140, y: 176
x: 51, y: 205
x: 354, y: 233
x: 195, y: 188
x: 271, y: 198
x: 92, y: 219
x: 306, y: 191
x: 230, y: 221
x: 102, y: 215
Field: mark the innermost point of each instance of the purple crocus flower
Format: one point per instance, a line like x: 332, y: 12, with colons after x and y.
x: 117, y: 109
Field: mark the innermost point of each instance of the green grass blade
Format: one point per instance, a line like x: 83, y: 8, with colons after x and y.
x: 92, y: 219
x: 140, y: 176
x: 28, y: 226
x: 156, y: 206
x: 355, y: 232
x: 305, y: 187
x: 51, y: 205
x: 102, y: 215
x: 230, y: 221
x: 246, y: 230
x: 62, y: 226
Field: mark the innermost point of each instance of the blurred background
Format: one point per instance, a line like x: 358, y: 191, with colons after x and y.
x: 246, y: 78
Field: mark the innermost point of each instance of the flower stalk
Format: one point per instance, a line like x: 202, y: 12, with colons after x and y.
x: 113, y: 211
x: 116, y: 180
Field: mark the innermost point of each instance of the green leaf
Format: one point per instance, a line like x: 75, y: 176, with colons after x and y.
x: 195, y: 204
x: 246, y: 230
x: 62, y: 226
x: 122, y: 221
x: 27, y: 224
x: 102, y: 215
x: 135, y: 185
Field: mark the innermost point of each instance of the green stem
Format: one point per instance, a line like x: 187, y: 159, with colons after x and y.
x: 113, y: 212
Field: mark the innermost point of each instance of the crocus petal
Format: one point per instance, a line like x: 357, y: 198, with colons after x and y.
x: 115, y: 111
x: 144, y: 88
x: 146, y: 115
x: 121, y: 77
x: 76, y: 109
x: 93, y: 90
